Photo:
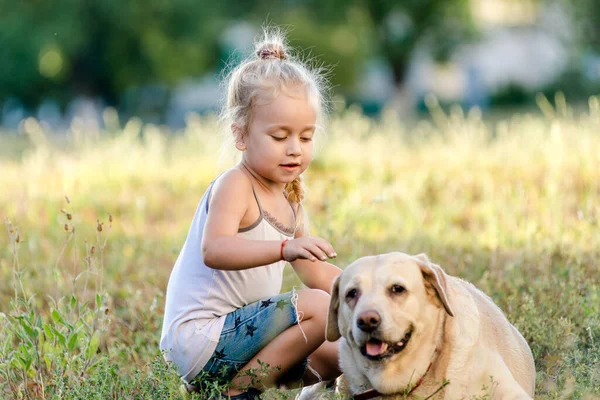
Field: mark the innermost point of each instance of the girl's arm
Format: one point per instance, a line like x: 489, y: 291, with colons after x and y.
x: 221, y: 248
x: 315, y: 274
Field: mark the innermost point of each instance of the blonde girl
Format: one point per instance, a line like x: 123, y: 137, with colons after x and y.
x: 224, y: 312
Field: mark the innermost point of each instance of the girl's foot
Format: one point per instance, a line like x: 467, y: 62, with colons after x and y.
x: 251, y: 394
x: 191, y: 388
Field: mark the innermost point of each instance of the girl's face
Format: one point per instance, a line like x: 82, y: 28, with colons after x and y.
x: 278, y: 141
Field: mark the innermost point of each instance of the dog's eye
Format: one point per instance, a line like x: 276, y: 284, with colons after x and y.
x: 397, y: 289
x: 351, y: 294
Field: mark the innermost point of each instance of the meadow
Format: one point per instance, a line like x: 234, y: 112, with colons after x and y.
x: 95, y: 219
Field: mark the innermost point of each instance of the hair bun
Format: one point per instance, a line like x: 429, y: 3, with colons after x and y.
x: 271, y: 52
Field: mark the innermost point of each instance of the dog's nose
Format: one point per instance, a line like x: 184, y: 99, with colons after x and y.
x: 368, y: 321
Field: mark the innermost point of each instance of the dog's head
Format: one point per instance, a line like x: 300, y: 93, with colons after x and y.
x: 381, y: 303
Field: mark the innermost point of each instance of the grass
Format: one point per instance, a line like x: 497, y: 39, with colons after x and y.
x: 513, y: 207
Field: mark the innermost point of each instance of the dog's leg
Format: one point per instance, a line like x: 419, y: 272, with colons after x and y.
x: 509, y: 389
x: 342, y: 387
x: 500, y: 384
x: 318, y: 391
x: 337, y: 389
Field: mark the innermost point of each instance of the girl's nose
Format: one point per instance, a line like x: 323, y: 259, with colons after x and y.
x: 294, y: 147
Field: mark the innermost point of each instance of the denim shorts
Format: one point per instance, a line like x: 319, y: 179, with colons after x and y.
x: 246, y: 331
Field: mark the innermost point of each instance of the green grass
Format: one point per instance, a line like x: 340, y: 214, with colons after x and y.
x: 513, y: 207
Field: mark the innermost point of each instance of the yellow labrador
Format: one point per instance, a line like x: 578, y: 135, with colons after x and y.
x: 409, y: 330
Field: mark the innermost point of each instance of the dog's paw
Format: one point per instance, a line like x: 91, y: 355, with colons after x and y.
x: 318, y: 391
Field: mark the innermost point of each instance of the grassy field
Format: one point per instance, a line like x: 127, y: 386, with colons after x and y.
x: 95, y: 220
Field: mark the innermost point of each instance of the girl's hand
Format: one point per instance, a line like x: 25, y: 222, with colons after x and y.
x: 308, y: 248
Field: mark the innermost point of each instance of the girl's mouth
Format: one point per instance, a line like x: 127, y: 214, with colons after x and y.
x: 290, y: 167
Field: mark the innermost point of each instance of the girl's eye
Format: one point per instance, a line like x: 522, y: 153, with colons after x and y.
x: 351, y: 294
x: 306, y: 139
x: 397, y: 289
x: 278, y: 139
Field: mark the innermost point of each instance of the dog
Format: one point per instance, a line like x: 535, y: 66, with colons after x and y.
x: 410, y: 331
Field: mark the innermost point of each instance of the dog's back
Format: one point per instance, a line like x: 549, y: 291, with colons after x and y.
x: 503, y: 337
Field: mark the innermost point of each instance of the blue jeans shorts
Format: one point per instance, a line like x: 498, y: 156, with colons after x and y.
x: 246, y: 331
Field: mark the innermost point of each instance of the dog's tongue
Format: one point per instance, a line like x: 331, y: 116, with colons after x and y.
x: 375, y: 347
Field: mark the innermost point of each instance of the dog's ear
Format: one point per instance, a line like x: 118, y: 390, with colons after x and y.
x: 436, y: 277
x: 332, y: 330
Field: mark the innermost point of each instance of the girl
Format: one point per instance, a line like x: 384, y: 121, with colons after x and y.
x: 224, y: 315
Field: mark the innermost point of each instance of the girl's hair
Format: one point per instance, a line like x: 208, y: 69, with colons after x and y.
x: 270, y: 70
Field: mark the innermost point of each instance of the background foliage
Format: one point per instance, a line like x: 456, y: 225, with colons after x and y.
x: 65, y: 48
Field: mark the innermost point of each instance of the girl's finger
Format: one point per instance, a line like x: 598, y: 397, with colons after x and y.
x: 307, y: 255
x: 316, y: 251
x: 326, y: 247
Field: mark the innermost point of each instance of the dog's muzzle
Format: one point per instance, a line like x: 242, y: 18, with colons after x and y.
x: 376, y: 349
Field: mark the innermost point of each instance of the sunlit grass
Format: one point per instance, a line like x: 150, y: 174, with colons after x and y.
x: 513, y: 207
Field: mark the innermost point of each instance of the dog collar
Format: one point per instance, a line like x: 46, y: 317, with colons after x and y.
x: 371, y: 394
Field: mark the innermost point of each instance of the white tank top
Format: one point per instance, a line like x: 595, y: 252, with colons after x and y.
x: 199, y: 298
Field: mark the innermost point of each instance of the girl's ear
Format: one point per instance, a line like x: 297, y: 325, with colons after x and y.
x: 239, y: 135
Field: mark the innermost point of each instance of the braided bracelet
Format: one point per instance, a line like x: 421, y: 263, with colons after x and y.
x: 282, y: 246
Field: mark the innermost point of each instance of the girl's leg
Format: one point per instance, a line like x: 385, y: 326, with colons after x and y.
x: 290, y: 348
x: 325, y: 361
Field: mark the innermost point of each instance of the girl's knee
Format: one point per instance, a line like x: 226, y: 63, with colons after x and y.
x: 314, y: 296
x: 313, y: 303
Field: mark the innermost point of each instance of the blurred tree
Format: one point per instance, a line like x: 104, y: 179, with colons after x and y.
x: 68, y: 47
x: 399, y: 26
x: 345, y: 32
x: 34, y: 34
x: 586, y: 14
